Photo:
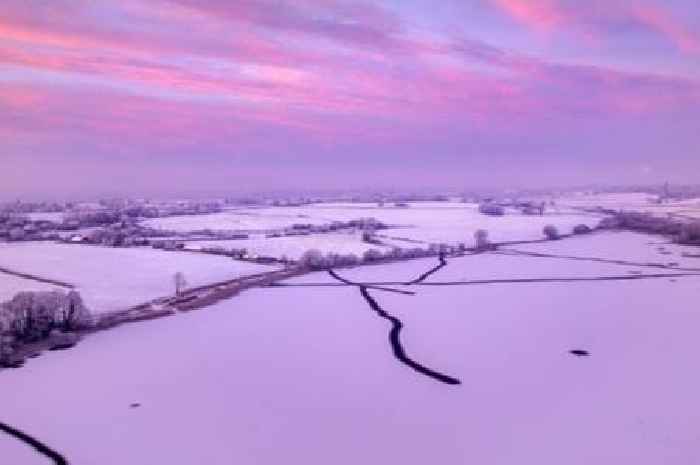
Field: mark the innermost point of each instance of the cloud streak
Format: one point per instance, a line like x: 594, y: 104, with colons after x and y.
x: 255, y: 78
x: 602, y: 20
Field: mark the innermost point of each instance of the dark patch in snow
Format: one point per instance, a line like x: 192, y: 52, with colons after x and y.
x: 579, y: 353
x: 41, y: 448
x: 135, y: 405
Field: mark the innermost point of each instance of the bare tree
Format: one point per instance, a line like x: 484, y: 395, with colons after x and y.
x: 180, y: 282
x: 75, y: 313
x: 551, y: 232
x: 312, y: 259
x: 372, y: 255
x: 581, y: 229
x: 481, y: 239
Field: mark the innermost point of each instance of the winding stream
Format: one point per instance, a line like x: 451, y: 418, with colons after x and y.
x: 396, y: 324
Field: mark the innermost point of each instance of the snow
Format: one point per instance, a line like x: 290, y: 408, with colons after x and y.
x: 429, y: 222
x: 640, y: 202
x: 451, y: 222
x: 56, y: 217
x: 629, y: 246
x: 77, y: 232
x: 11, y: 285
x: 293, y: 247
x: 117, y: 278
x: 306, y: 374
x: 241, y: 220
x: 637, y: 249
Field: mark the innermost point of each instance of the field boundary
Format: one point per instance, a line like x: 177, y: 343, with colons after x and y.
x: 33, y: 277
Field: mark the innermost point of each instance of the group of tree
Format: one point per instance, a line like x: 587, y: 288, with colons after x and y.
x: 32, y: 316
x: 680, y: 230
x: 491, y: 209
x: 551, y: 232
x: 316, y: 260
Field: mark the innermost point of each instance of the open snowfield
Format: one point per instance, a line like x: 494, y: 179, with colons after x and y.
x: 11, y: 285
x: 306, y: 374
x: 56, y: 217
x: 639, y: 202
x: 622, y: 245
x: 294, y: 247
x: 448, y: 222
x: 250, y: 219
x: 427, y: 222
x: 597, y: 253
x: 117, y: 278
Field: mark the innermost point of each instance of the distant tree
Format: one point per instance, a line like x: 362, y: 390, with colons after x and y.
x: 368, y: 237
x: 491, y: 209
x: 6, y: 337
x: 541, y: 207
x: 372, y: 255
x: 180, y: 282
x: 689, y: 234
x: 481, y: 239
x: 581, y: 229
x: 312, y: 259
x: 75, y: 314
x: 17, y: 234
x: 551, y: 232
x: 31, y: 316
x: 609, y: 222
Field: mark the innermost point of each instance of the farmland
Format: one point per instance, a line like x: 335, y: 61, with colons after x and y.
x: 113, y: 279
x: 441, y: 351
x: 501, y: 324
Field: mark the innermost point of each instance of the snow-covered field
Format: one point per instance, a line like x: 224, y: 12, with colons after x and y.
x: 640, y: 202
x: 306, y: 374
x: 11, y: 285
x: 56, y: 217
x: 114, y: 278
x: 624, y: 245
x: 293, y: 247
x: 428, y: 222
x: 242, y: 219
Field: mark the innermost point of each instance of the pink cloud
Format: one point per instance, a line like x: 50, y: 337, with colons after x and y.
x: 543, y: 15
x: 324, y: 71
x: 665, y: 24
x: 596, y: 20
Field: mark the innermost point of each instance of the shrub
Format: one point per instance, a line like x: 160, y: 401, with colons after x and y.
x: 689, y: 234
x: 312, y: 259
x: 551, y: 232
x: 491, y: 209
x: 609, y: 222
x: 31, y: 316
x: 372, y: 255
x: 581, y: 229
x: 481, y: 239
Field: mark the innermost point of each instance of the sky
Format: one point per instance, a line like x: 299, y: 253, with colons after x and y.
x: 175, y: 97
